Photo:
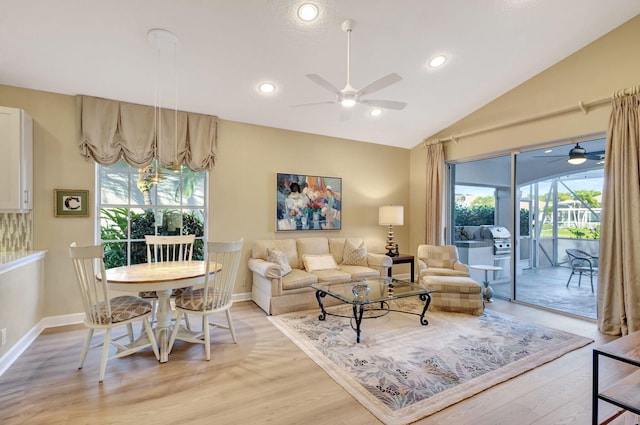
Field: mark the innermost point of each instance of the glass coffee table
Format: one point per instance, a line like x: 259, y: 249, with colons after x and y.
x: 371, y: 295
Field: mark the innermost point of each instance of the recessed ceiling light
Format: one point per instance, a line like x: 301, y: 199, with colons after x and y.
x: 548, y: 151
x: 437, y: 61
x: 267, y: 88
x: 308, y: 12
x: 375, y: 112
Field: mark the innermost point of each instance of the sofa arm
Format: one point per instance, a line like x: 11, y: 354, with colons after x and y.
x: 460, y: 266
x: 265, y: 268
x: 421, y: 265
x: 379, y: 262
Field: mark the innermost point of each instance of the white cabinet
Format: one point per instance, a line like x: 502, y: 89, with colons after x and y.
x: 16, y: 160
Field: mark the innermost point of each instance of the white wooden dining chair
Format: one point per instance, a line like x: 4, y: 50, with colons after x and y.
x: 105, y: 313
x: 167, y: 248
x: 215, y: 296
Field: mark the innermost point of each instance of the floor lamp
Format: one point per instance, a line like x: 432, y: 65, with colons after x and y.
x: 391, y: 215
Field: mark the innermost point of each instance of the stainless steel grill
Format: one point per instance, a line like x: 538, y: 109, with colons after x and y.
x: 501, y: 238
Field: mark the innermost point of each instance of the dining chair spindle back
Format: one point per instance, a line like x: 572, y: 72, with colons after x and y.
x: 214, y: 296
x: 104, y: 312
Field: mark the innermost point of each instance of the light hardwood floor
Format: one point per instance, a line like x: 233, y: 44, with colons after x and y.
x: 266, y: 379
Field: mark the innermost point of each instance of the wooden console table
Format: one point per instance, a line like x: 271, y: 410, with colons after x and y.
x: 402, y: 259
x: 626, y: 392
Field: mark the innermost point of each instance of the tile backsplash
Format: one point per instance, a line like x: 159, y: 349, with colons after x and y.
x: 16, y: 231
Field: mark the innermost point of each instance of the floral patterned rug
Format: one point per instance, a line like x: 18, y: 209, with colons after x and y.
x: 402, y: 371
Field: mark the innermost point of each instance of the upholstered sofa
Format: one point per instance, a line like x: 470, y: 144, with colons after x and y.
x: 284, y: 269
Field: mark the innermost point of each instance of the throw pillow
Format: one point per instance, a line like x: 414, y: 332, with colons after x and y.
x: 354, y: 255
x: 313, y: 263
x: 280, y: 258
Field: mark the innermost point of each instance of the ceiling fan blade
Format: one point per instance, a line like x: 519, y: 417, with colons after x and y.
x: 386, y: 104
x: 595, y: 156
x: 379, y: 84
x: 324, y: 83
x: 313, y: 103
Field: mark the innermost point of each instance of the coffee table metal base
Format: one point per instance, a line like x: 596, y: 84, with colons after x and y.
x: 359, y: 309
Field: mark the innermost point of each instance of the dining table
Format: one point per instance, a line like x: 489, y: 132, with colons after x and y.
x: 163, y: 278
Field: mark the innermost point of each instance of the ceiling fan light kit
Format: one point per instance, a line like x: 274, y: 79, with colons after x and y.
x: 349, y: 96
x: 577, y: 155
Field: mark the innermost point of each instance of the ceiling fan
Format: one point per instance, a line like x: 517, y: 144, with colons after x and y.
x: 577, y: 155
x: 349, y: 96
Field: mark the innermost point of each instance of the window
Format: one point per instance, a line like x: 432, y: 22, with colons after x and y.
x: 137, y: 202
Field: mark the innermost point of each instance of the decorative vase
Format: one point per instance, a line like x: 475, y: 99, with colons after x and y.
x: 361, y: 290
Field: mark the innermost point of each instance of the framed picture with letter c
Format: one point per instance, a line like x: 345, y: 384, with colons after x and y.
x: 71, y: 203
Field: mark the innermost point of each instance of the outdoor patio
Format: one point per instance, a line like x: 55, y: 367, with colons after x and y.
x: 547, y: 287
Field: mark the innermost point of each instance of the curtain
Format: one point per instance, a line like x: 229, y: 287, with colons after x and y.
x: 435, y: 183
x: 110, y: 129
x: 619, y: 273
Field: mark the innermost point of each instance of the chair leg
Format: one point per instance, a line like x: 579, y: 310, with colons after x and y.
x: 230, y: 322
x: 105, y: 353
x: 130, y: 332
x: 591, y: 276
x: 186, y: 322
x: 579, y: 279
x: 152, y: 339
x: 207, y: 336
x: 569, y: 281
x: 174, y: 333
x: 85, y: 348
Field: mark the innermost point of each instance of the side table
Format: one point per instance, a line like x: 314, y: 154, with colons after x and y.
x: 488, y: 290
x: 403, y: 259
x: 624, y: 393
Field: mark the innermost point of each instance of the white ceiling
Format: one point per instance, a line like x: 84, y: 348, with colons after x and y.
x: 99, y: 48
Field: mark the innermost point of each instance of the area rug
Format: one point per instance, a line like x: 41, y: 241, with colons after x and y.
x: 402, y: 371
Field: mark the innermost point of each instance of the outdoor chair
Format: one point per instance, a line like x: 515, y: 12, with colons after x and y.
x: 582, y: 263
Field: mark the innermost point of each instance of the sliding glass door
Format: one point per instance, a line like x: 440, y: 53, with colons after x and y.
x: 481, y: 214
x: 546, y: 205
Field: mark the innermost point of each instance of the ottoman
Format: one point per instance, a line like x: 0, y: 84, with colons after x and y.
x: 454, y: 293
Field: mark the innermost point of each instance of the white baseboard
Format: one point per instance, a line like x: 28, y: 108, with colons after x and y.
x: 54, y: 321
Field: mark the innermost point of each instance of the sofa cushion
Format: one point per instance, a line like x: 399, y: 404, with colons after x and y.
x: 354, y: 255
x: 288, y: 246
x: 280, y: 258
x: 332, y: 275
x: 436, y: 271
x: 313, y: 263
x: 336, y: 247
x: 311, y: 246
x: 359, y: 272
x: 298, y: 279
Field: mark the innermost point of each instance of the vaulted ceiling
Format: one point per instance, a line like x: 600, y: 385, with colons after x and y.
x: 226, y: 48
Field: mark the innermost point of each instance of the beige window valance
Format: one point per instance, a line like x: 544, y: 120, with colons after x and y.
x: 110, y: 129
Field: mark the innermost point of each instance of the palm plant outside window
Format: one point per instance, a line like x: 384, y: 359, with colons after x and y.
x: 133, y: 203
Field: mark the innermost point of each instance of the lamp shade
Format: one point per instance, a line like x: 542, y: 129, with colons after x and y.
x: 391, y: 215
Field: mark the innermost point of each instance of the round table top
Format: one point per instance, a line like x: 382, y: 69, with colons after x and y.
x: 157, y: 276
x: 485, y: 267
x: 157, y: 272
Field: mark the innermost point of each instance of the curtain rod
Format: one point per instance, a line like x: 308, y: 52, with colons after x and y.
x: 584, y: 107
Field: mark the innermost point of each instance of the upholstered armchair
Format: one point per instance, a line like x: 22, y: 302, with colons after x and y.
x: 440, y: 261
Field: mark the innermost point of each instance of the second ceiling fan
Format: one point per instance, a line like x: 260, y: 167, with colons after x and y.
x: 349, y: 96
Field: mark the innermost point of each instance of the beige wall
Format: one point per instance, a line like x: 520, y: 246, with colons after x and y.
x: 242, y: 186
x: 595, y: 72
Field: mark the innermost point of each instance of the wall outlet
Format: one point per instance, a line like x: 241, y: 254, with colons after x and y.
x: 3, y: 337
